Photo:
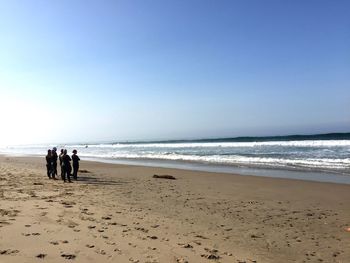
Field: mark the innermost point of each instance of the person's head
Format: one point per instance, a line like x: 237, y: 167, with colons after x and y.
x: 54, y: 149
x: 65, y: 151
x: 75, y: 151
x: 49, y: 152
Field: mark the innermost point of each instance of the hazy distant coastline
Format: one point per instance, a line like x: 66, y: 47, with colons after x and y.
x: 294, y: 137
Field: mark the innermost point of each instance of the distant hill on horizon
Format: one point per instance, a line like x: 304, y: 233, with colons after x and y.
x: 295, y: 137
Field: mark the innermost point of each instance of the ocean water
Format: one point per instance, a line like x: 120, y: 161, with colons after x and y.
x: 317, y: 153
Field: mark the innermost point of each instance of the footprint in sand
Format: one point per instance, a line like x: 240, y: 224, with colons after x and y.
x: 9, y: 213
x: 68, y: 256
x: 3, y: 223
x: 67, y: 204
x: 210, y: 256
x: 141, y: 229
x: 186, y: 245
x: 42, y: 256
x: 86, y: 212
x: 100, y: 251
x: 118, y: 251
x: 200, y: 236
x: 181, y: 260
x: 8, y: 251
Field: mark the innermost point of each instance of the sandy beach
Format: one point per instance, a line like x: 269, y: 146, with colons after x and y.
x: 119, y: 213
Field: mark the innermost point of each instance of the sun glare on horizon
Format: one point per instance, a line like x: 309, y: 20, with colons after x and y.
x: 23, y: 121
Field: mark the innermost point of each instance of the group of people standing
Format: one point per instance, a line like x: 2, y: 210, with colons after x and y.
x: 66, y: 167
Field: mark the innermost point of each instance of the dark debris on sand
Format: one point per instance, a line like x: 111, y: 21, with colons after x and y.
x: 164, y: 177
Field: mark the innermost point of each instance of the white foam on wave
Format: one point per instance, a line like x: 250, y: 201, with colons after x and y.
x: 305, y: 143
x: 319, y: 154
x: 320, y: 163
x: 312, y: 143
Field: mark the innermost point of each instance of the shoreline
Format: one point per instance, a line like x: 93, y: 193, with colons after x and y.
x: 326, y: 176
x: 121, y: 213
x: 273, y: 172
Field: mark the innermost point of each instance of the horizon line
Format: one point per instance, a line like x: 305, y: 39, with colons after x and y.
x: 321, y: 136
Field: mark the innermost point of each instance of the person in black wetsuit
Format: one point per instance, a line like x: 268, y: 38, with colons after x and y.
x: 49, y: 163
x: 61, y: 164
x: 54, y: 162
x: 75, y: 159
x: 67, y: 166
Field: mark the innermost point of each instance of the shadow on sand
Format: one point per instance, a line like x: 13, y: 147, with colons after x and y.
x: 99, y: 181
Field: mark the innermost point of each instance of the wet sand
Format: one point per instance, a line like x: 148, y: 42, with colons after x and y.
x: 120, y: 213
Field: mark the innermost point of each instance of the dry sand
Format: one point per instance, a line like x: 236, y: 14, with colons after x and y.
x: 118, y: 213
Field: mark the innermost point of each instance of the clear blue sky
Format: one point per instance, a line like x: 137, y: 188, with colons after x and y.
x: 134, y: 70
